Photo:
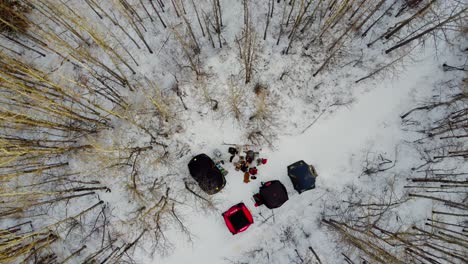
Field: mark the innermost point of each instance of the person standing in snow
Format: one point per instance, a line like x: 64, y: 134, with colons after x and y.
x: 233, y: 151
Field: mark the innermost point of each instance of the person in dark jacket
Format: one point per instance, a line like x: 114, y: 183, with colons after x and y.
x: 233, y: 151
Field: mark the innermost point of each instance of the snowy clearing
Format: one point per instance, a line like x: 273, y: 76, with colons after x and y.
x: 104, y: 103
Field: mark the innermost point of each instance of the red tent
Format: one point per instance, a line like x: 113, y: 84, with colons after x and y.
x: 238, y: 218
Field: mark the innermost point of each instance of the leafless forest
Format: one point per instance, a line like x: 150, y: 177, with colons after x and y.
x: 92, y: 92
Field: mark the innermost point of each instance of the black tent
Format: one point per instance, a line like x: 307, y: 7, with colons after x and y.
x: 272, y: 194
x: 302, y: 176
x: 204, y: 171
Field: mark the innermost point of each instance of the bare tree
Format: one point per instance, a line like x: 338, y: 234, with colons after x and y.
x: 247, y: 43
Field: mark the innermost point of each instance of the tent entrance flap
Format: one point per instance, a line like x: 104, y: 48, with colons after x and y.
x: 238, y: 220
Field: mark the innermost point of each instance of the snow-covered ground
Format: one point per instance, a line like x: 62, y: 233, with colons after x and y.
x: 327, y: 120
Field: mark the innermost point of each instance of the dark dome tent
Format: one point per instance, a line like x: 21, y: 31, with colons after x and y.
x: 272, y: 194
x: 204, y: 171
x: 302, y: 176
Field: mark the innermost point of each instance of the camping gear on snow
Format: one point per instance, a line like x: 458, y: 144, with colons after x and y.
x: 244, y: 166
x: 209, y: 177
x: 302, y: 176
x: 223, y: 171
x: 272, y: 194
x: 238, y: 218
x: 261, y: 161
x: 247, y: 164
x: 233, y: 151
x: 253, y: 171
x: 219, y: 161
x: 246, y: 177
x: 249, y: 156
x: 217, y: 153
